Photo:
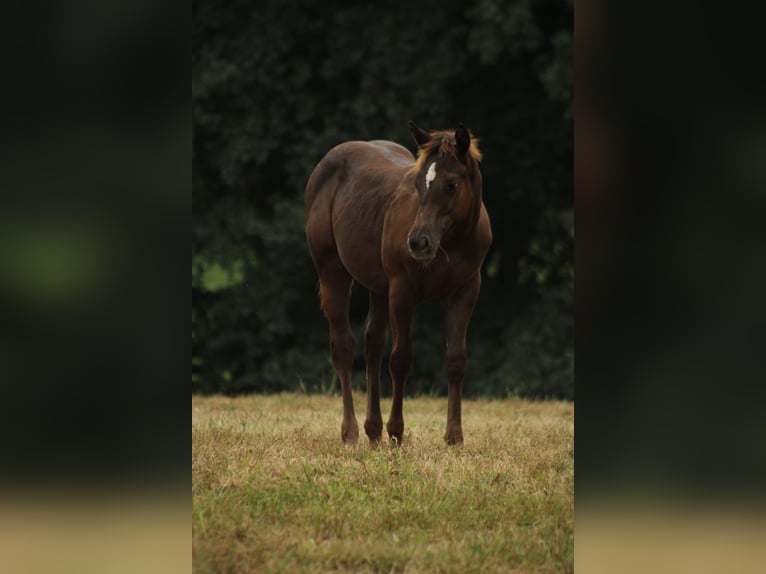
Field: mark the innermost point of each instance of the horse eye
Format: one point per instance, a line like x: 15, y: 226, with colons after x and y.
x: 451, y: 186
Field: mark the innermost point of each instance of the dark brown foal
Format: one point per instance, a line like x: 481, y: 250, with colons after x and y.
x: 407, y: 230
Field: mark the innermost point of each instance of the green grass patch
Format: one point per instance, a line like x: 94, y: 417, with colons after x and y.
x: 274, y: 490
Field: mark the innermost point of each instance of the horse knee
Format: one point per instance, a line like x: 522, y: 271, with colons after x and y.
x: 342, y: 346
x: 401, y: 362
x: 455, y: 365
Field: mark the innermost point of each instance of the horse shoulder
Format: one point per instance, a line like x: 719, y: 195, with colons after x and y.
x: 398, y: 219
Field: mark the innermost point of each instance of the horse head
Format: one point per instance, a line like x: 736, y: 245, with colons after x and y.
x: 448, y: 183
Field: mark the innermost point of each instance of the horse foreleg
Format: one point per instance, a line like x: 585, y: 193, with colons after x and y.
x: 335, y: 289
x: 375, y: 335
x: 401, y: 304
x: 458, y: 311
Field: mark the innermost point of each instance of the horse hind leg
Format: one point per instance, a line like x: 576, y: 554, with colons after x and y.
x: 334, y: 289
x: 375, y: 335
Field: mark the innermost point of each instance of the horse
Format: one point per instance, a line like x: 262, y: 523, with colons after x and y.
x: 407, y: 229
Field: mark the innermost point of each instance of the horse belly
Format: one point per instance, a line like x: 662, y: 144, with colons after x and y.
x: 358, y: 246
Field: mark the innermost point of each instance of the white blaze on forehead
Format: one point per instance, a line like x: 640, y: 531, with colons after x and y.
x: 430, y: 174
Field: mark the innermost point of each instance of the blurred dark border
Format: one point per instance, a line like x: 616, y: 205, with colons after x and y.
x: 94, y: 238
x: 670, y: 191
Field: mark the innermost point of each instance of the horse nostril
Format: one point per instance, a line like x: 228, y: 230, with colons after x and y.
x: 419, y: 244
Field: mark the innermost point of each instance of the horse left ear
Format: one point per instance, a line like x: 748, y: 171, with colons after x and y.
x: 463, y: 139
x: 421, y: 137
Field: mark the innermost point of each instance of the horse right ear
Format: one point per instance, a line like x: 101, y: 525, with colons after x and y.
x: 421, y: 137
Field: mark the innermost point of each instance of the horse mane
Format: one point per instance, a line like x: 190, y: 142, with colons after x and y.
x: 443, y: 143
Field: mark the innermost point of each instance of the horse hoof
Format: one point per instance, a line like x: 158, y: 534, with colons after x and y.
x: 373, y: 430
x: 350, y: 436
x: 454, y: 439
x: 374, y: 440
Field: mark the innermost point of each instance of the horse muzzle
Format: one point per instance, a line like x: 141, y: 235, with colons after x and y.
x: 421, y: 247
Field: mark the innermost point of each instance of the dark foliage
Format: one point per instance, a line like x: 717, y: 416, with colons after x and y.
x: 276, y: 84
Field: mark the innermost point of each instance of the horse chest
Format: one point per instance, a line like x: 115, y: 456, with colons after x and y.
x: 440, y: 277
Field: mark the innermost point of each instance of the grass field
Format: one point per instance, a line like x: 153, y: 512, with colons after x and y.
x: 275, y: 490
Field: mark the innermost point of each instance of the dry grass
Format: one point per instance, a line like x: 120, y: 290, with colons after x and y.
x: 274, y: 490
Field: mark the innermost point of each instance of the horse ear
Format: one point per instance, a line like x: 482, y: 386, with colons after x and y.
x: 421, y: 137
x: 463, y: 139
